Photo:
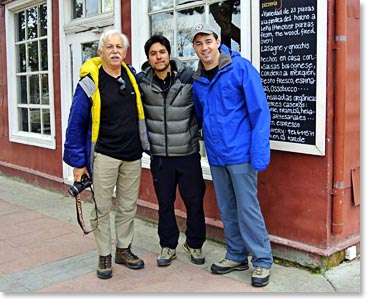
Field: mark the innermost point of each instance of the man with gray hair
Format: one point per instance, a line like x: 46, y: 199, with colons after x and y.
x: 104, y: 141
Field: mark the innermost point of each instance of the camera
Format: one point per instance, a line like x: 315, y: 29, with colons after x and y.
x: 78, y: 187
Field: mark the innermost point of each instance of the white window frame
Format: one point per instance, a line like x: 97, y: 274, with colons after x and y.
x: 41, y: 140
x: 140, y: 32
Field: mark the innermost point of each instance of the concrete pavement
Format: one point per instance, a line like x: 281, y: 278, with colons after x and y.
x: 42, y: 249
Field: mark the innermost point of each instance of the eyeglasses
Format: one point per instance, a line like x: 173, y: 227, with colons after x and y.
x: 122, y: 85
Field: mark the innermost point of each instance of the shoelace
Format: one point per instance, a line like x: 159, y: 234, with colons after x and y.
x: 130, y: 255
x: 258, y: 270
x: 223, y: 261
x: 105, y: 262
x: 166, y: 250
x: 196, y: 251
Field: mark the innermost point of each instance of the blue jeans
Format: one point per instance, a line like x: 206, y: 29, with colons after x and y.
x: 244, y: 226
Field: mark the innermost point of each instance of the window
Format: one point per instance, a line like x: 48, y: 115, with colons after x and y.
x: 175, y: 20
x: 29, y: 63
x: 84, y: 8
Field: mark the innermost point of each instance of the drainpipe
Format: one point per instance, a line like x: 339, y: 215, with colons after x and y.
x: 339, y: 120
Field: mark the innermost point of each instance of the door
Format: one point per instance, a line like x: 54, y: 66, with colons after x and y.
x: 79, y: 47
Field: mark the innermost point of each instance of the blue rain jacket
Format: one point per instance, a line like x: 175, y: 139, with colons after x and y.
x: 234, y: 113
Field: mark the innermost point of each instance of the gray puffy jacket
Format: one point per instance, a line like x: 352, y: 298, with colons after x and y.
x: 171, y: 122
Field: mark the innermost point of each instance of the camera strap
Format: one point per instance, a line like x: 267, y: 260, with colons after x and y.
x: 79, y: 213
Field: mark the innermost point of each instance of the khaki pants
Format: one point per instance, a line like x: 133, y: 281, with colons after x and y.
x: 108, y: 173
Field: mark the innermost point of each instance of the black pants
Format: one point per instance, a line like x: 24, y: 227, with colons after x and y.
x: 184, y: 172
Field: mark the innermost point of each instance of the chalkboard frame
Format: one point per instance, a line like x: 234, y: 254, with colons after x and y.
x: 321, y: 51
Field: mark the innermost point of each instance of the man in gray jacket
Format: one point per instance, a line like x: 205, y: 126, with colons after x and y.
x: 174, y: 137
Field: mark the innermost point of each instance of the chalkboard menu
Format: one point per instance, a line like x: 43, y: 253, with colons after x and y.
x: 288, y: 65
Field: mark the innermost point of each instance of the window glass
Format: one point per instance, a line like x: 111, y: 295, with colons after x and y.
x: 163, y: 24
x: 77, y: 9
x: 22, y: 90
x: 32, y: 79
x: 23, y: 119
x: 35, y: 117
x: 89, y: 50
x: 179, y: 2
x: 186, y: 20
x: 156, y: 5
x: 107, y: 6
x: 46, y: 129
x: 32, y: 56
x: 21, y: 65
x: 89, y: 8
x: 168, y: 18
x: 225, y: 15
x: 20, y: 22
x: 34, y: 89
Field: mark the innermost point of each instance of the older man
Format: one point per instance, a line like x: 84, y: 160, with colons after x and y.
x: 103, y: 141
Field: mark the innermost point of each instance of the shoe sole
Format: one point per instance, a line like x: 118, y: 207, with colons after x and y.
x: 194, y: 261
x: 238, y: 268
x: 165, y: 263
x: 135, y: 267
x: 102, y: 275
x: 259, y: 284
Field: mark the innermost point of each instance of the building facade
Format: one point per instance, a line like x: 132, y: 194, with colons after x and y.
x: 307, y: 52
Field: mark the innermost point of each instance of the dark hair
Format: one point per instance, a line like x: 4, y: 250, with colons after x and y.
x: 157, y: 39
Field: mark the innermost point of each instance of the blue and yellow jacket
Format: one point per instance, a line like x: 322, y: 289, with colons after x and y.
x: 84, y: 118
x: 234, y: 112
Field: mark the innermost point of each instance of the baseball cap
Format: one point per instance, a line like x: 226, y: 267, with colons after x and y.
x: 202, y: 28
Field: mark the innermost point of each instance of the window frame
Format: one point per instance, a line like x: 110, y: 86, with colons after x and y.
x: 15, y: 135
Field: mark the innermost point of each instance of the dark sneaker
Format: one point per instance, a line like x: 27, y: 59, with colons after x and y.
x: 166, y: 256
x: 196, y: 255
x: 260, y: 277
x: 226, y: 266
x: 104, y: 270
x: 126, y: 257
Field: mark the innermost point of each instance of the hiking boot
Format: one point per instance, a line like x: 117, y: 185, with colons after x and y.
x: 166, y: 256
x: 104, y: 270
x: 260, y: 277
x: 196, y: 254
x: 226, y: 266
x: 126, y: 257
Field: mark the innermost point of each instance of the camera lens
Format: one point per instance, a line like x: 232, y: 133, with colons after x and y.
x: 73, y: 191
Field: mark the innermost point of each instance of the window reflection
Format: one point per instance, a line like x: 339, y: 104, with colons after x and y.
x: 31, y: 46
x: 32, y: 16
x: 21, y: 58
x: 89, y: 50
x: 186, y: 20
x: 20, y: 17
x: 23, y: 119
x: 33, y: 56
x: 176, y: 23
x: 43, y: 20
x: 155, y: 5
x: 89, y: 8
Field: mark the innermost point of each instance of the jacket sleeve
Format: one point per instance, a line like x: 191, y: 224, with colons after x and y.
x: 77, y: 132
x: 259, y: 114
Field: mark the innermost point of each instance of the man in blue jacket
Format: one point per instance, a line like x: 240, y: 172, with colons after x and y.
x: 231, y: 105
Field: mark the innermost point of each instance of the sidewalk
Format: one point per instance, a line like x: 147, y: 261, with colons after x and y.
x: 42, y: 249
